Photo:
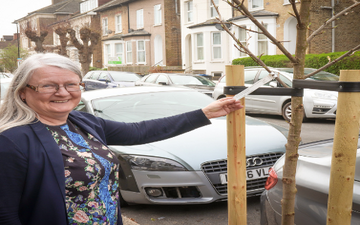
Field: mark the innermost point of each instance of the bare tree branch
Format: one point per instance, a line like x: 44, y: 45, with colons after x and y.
x: 317, y: 32
x: 266, y: 33
x: 297, y: 15
x: 333, y: 62
x: 245, y: 49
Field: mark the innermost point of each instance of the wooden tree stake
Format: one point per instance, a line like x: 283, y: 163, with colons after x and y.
x: 344, y: 153
x: 236, y: 160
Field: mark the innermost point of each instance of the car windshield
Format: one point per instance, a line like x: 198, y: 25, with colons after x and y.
x: 118, y: 77
x: 320, y: 76
x: 191, y: 80
x: 147, y: 106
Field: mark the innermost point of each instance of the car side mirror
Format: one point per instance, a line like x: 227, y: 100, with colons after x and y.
x: 273, y: 84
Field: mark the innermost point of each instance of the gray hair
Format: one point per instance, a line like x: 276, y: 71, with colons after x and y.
x: 14, y: 112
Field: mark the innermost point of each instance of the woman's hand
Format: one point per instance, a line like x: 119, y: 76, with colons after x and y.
x: 221, y: 107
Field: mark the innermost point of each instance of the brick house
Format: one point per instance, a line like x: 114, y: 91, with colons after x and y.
x: 141, y: 34
x: 207, y: 49
x: 77, y: 13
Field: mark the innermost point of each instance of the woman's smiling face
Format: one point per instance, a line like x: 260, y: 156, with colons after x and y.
x: 52, y: 108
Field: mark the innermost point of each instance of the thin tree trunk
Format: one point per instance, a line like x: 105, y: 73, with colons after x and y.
x: 297, y: 113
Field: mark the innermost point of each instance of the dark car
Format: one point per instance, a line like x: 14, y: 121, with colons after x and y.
x: 99, y: 79
x: 200, y: 83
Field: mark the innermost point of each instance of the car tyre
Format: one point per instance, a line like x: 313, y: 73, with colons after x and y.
x: 286, y: 112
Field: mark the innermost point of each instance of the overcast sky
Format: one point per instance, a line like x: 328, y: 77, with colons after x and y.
x: 12, y: 10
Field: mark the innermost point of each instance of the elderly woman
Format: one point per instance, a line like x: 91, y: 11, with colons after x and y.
x: 55, y: 165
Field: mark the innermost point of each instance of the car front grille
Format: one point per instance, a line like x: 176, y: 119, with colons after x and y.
x: 213, y: 170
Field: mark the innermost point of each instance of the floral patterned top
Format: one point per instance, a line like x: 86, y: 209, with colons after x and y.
x: 91, y: 176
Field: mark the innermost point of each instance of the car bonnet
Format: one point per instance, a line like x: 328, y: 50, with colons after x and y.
x: 209, y: 143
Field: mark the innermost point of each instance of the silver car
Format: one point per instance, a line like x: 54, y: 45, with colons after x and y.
x: 4, y: 86
x: 186, y: 169
x: 312, y: 183
x: 317, y: 103
x: 197, y: 82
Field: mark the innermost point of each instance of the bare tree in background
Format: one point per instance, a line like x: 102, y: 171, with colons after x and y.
x: 89, y: 40
x: 62, y: 31
x: 37, y: 38
x: 298, y: 61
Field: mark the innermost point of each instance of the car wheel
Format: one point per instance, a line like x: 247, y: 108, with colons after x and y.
x: 286, y: 111
x: 221, y: 96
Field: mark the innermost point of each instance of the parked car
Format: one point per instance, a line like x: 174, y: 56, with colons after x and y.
x: 4, y: 86
x: 317, y: 103
x: 5, y: 75
x: 312, y: 184
x: 100, y: 79
x: 186, y: 169
x: 200, y: 83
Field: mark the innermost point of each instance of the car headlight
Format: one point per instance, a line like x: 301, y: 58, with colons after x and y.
x: 324, y: 95
x: 153, y: 163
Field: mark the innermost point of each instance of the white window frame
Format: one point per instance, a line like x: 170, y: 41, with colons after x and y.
x: 56, y: 39
x: 118, y: 23
x: 140, y: 51
x: 259, y: 7
x: 105, y: 26
x: 213, y: 12
x: 201, y: 47
x: 129, y: 58
x: 189, y: 6
x: 107, y: 50
x: 121, y: 52
x: 243, y: 40
x: 218, y: 45
x: 157, y: 15
x: 139, y: 18
x: 263, y: 39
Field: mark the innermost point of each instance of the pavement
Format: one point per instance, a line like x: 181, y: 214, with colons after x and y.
x: 128, y: 221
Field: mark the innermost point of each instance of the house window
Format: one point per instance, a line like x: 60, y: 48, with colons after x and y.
x: 140, y: 19
x: 256, y: 4
x: 157, y: 14
x: 262, y: 43
x: 216, y: 45
x: 140, y: 52
x: 129, y: 52
x: 213, y: 12
x: 105, y: 26
x: 88, y: 5
x: 189, y: 11
x: 242, y: 39
x: 56, y: 39
x: 118, y: 24
x: 107, y: 53
x: 200, y: 46
x: 119, y: 52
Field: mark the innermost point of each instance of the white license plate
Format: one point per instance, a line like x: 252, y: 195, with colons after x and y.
x: 250, y: 174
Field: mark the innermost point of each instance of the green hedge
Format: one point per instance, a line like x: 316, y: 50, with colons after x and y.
x: 311, y: 61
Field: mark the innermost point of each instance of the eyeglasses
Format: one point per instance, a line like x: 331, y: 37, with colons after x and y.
x: 52, y: 88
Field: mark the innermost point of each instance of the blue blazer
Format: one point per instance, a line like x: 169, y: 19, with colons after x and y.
x: 32, y: 181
